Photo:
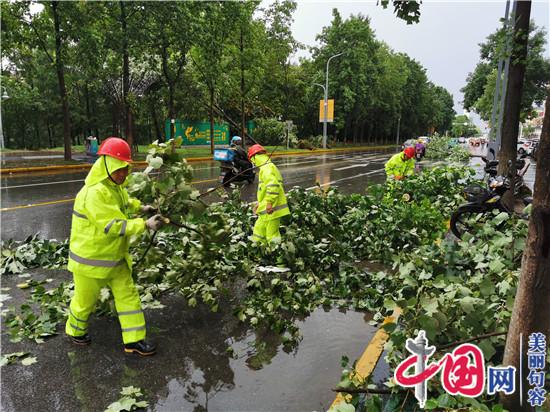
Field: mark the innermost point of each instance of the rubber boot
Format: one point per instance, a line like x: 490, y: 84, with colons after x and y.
x: 142, y: 348
x: 81, y: 340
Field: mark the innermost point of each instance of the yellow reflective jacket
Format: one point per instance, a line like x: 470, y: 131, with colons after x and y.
x: 101, y: 228
x: 270, y: 189
x: 396, y: 166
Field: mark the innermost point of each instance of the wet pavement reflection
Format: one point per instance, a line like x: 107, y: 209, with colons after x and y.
x: 193, y: 369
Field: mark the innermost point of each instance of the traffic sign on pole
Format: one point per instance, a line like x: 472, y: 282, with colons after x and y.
x: 330, y: 111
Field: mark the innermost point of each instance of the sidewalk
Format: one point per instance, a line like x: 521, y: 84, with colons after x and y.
x: 16, y: 162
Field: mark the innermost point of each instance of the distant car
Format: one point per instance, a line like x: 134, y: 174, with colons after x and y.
x: 424, y: 140
x: 526, y: 146
x: 462, y: 140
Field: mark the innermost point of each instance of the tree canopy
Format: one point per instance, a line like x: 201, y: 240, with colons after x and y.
x: 480, y: 84
x: 127, y: 68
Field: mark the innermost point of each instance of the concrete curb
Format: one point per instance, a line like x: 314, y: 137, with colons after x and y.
x: 85, y: 166
x: 367, y: 362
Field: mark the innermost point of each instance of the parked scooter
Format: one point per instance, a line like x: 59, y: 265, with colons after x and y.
x: 485, y: 200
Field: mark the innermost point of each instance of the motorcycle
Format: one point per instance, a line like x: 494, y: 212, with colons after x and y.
x: 230, y: 171
x: 484, y: 200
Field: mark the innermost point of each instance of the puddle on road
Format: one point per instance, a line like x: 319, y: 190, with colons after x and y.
x: 267, y: 378
x: 193, y: 370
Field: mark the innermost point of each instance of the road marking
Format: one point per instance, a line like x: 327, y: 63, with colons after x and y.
x: 41, y: 184
x: 352, y: 166
x: 53, y: 202
x: 346, y: 178
x: 367, y: 362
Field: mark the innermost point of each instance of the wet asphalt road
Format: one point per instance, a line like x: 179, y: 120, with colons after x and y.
x: 50, y: 196
x: 192, y: 371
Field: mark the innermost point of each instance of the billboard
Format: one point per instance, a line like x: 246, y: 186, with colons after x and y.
x: 198, y: 133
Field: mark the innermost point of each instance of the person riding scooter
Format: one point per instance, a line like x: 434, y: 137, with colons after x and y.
x: 241, y: 158
x: 237, y: 169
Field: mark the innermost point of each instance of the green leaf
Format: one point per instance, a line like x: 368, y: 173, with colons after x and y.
x: 29, y: 361
x: 431, y: 404
x: 486, y: 287
x: 429, y: 305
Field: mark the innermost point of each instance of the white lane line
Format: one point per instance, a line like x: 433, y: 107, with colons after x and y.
x: 42, y: 184
x: 352, y: 166
x: 372, y: 172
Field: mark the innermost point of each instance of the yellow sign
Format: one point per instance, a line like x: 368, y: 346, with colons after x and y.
x: 330, y: 111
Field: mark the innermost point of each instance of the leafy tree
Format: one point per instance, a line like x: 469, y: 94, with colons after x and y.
x: 480, y: 84
x: 443, y: 112
x: 463, y: 127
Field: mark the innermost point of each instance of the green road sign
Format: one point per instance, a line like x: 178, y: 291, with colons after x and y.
x: 198, y: 133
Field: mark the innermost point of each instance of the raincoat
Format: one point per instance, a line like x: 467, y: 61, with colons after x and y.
x: 396, y: 166
x: 270, y: 190
x: 99, y: 251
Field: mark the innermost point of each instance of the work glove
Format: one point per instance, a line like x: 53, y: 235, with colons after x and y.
x: 155, y: 222
x: 148, y: 209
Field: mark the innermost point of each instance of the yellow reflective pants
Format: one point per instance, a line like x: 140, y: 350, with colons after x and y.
x: 127, y: 303
x: 266, y: 230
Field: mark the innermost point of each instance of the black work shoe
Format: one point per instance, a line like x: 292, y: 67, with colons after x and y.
x: 142, y: 348
x: 81, y: 340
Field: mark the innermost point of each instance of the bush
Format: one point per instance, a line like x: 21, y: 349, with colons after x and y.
x: 312, y: 142
x: 271, y: 132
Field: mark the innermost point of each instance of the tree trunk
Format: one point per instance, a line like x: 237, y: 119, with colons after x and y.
x: 530, y: 313
x: 243, y: 131
x: 61, y: 80
x: 125, y: 76
x: 212, y: 119
x: 156, y: 122
x: 50, y: 141
x: 88, y: 113
x: 514, y: 91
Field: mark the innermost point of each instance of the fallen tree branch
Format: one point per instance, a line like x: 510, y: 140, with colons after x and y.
x: 481, y: 337
x: 365, y: 390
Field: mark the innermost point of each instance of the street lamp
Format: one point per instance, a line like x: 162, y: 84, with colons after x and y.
x: 325, y: 105
x: 4, y: 97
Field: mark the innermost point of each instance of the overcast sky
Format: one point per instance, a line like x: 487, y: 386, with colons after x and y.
x: 445, y: 41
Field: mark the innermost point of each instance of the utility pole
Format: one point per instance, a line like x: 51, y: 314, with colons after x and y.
x: 397, y: 134
x: 325, y: 105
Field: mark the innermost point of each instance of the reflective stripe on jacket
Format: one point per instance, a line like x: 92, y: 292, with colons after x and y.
x: 101, y: 228
x: 270, y: 189
x: 396, y: 166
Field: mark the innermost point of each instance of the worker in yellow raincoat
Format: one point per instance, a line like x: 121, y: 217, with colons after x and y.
x: 271, y: 205
x: 400, y: 165
x: 99, y: 248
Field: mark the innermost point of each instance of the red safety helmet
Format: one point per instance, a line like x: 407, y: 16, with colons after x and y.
x: 117, y: 148
x: 254, y: 150
x: 409, y: 152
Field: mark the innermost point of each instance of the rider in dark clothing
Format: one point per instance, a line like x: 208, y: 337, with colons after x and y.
x: 241, y: 158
